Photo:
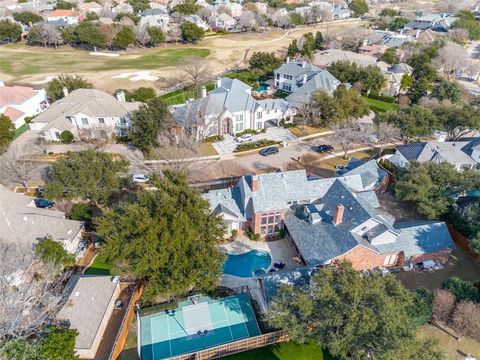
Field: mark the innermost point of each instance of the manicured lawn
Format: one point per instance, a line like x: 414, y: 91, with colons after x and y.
x: 379, y: 106
x: 244, y: 76
x: 305, y: 130
x: 20, y: 60
x: 207, y: 149
x: 452, y: 348
x: 284, y: 351
x: 180, y: 96
x: 20, y: 130
x: 99, y: 267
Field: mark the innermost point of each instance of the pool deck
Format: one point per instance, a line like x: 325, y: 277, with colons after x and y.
x: 279, y: 250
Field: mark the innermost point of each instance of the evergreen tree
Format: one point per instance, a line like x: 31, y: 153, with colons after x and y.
x: 10, y: 30
x: 71, y: 82
x: 319, y: 41
x: 292, y: 48
x: 124, y: 38
x: 7, y: 132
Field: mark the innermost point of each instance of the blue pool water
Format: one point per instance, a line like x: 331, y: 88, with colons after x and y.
x: 245, y: 264
x: 262, y: 87
x: 474, y: 193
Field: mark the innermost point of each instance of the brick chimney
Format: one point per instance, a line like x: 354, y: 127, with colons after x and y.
x: 338, y: 214
x: 254, y: 183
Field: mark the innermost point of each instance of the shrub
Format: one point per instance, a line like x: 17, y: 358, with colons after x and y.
x: 234, y: 233
x: 443, y: 305
x: 247, y: 131
x: 53, y: 252
x: 81, y: 212
x: 421, y: 311
x: 255, y: 145
x: 51, y: 153
x: 387, y: 99
x: 213, y: 138
x: 462, y: 289
x: 281, y: 233
x: 66, y: 136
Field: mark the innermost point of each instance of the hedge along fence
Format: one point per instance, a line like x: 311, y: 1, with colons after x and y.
x: 256, y: 145
x: 236, y: 346
x: 462, y: 241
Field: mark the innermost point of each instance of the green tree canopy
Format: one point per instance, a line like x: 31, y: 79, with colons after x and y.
x: 293, y: 48
x: 191, y: 33
x: 51, y: 251
x: 263, y: 63
x: 7, y: 132
x: 64, y: 5
x: 124, y: 38
x: 87, y: 174
x: 139, y: 5
x: 71, y: 82
x: 462, y: 289
x: 319, y: 40
x: 370, y: 77
x: 447, y: 90
x: 353, y: 316
x: 58, y: 344
x: 390, y: 56
x: 27, y: 17
x: 359, y: 7
x: 187, y: 8
x: 89, y: 33
x: 10, y: 30
x: 91, y: 16
x: 432, y: 186
x: 296, y: 18
x: 457, y: 121
x: 397, y: 23
x: 466, y: 20
x: 147, y: 122
x: 166, y: 237
x: 156, y: 34
x: 413, y: 121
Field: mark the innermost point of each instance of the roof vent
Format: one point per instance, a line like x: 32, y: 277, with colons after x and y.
x: 77, y: 293
x: 350, y: 208
x: 25, y: 218
x: 69, y: 231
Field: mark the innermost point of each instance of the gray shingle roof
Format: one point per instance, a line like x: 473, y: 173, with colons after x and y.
x: 322, y: 80
x: 297, y: 68
x: 369, y: 171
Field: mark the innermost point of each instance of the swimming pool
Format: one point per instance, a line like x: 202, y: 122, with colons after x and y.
x: 245, y: 264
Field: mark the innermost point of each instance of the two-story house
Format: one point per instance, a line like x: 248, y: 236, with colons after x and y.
x: 19, y: 102
x: 230, y: 108
x: 70, y: 17
x: 328, y: 220
x: 87, y: 113
x: 301, y: 79
x: 154, y: 17
x: 222, y: 21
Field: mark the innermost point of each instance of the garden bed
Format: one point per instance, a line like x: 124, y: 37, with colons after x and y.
x: 255, y: 145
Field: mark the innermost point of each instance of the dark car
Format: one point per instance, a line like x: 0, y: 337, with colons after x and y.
x: 323, y: 148
x: 43, y: 204
x: 269, y: 151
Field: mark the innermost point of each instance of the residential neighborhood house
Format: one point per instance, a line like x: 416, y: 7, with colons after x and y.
x: 70, y: 17
x: 154, y: 18
x: 86, y: 113
x: 19, y: 102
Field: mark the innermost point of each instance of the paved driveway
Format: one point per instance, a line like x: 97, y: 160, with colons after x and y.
x: 228, y: 145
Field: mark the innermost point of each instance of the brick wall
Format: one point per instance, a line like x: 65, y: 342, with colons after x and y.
x: 441, y: 255
x: 256, y: 223
x: 364, y: 259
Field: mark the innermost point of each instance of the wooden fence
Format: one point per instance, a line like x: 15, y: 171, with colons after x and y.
x: 125, y: 326
x: 462, y: 241
x: 236, y: 346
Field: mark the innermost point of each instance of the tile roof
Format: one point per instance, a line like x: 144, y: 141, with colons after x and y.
x: 63, y: 12
x: 15, y: 95
x: 13, y: 113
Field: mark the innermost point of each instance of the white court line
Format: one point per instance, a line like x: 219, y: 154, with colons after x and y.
x: 243, y: 314
x: 151, y: 339
x: 169, y: 342
x: 228, y: 322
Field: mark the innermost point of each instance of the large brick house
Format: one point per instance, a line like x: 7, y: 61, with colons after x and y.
x: 328, y: 220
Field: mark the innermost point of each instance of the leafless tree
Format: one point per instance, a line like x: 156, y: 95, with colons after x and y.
x: 45, y: 34
x: 386, y: 133
x: 193, y: 73
x: 205, y: 13
x: 443, y: 305
x: 305, y: 114
x: 348, y: 134
x: 251, y: 21
x: 451, y: 57
x: 222, y: 9
x: 141, y: 35
x: 30, y: 292
x: 458, y: 34
x: 174, y: 33
x: 99, y: 137
x: 466, y: 319
x: 16, y: 168
x: 450, y: 6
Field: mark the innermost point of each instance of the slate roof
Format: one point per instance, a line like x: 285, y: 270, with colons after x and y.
x: 322, y: 80
x: 401, y: 68
x: 419, y: 237
x: 453, y: 152
x: 369, y: 171
x: 153, y: 12
x: 297, y: 68
x: 295, y: 277
x: 323, y: 241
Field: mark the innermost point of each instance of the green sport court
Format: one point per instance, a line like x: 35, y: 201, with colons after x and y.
x: 196, y: 324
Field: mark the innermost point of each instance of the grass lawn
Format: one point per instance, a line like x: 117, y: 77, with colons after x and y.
x: 284, y: 351
x: 207, y: 149
x: 21, y: 60
x: 244, y: 76
x: 305, y: 130
x: 99, y: 266
x: 452, y: 348
x: 20, y: 130
x: 378, y: 106
x: 180, y: 96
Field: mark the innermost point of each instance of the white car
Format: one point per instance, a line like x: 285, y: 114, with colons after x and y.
x: 140, y: 178
x: 244, y: 138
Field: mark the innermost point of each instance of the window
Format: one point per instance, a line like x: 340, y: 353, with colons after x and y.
x: 270, y: 223
x: 239, y: 126
x: 84, y: 121
x: 239, y: 117
x: 259, y: 115
x: 287, y: 77
x: 278, y: 76
x: 259, y: 126
x: 123, y: 120
x: 287, y: 87
x: 264, y: 220
x: 57, y: 135
x: 101, y: 120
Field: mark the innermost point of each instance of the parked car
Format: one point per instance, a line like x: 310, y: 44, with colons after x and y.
x: 140, y: 178
x: 118, y: 304
x: 244, y: 138
x: 323, y: 148
x: 43, y: 203
x: 269, y: 151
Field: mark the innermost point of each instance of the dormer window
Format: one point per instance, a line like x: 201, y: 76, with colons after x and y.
x: 101, y: 120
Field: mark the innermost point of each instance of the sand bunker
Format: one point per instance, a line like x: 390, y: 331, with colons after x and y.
x: 136, y: 76
x: 97, y: 53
